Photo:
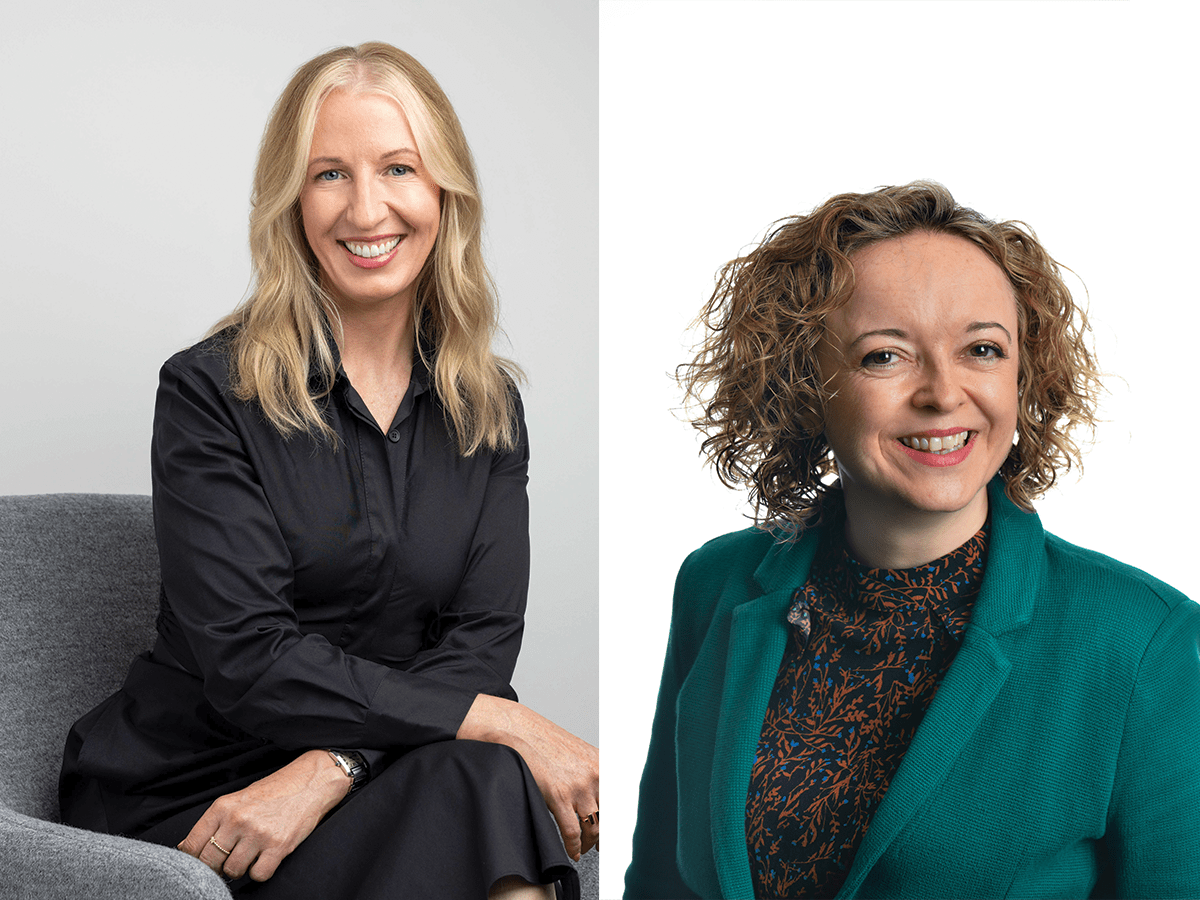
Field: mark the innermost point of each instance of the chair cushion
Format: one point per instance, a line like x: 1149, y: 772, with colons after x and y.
x: 43, y: 861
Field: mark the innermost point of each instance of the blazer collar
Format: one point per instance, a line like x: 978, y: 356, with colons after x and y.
x: 758, y: 635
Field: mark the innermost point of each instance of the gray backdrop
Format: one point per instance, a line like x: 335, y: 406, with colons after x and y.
x: 128, y: 138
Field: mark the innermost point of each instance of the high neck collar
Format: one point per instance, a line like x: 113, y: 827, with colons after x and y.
x: 941, y: 581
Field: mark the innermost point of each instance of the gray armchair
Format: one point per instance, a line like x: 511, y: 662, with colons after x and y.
x: 78, y: 597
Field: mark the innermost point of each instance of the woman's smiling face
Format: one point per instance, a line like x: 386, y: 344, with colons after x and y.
x: 370, y: 208
x: 923, y: 364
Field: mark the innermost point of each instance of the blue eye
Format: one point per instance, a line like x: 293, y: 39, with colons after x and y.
x: 399, y: 170
x: 329, y: 175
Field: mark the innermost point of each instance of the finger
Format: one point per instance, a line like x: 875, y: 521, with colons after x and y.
x: 590, y: 831
x: 216, y: 853
x: 266, y: 864
x: 197, y: 838
x: 568, y: 825
x: 240, y: 860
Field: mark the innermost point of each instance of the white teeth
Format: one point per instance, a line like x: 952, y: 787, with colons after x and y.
x: 938, y: 445
x: 370, y: 251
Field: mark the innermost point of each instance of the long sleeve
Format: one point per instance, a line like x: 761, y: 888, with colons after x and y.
x: 242, y: 516
x: 1154, y: 817
x: 654, y: 873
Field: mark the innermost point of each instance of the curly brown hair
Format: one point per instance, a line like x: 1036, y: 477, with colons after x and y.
x: 755, y: 375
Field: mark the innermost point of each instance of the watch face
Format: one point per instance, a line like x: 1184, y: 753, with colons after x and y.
x: 342, y: 762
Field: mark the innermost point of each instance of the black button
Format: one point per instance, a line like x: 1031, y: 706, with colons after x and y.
x: 393, y: 436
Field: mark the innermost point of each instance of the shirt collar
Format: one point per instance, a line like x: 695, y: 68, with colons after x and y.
x: 420, y: 370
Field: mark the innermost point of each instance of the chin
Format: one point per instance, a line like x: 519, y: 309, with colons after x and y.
x: 947, y: 498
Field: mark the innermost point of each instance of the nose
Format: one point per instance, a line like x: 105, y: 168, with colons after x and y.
x: 938, y: 388
x: 367, y: 207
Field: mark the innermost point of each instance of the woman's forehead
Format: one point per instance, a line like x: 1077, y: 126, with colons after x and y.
x: 926, y: 275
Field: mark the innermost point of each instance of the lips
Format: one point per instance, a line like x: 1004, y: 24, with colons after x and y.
x: 952, y: 447
x: 936, y: 442
x: 372, y: 253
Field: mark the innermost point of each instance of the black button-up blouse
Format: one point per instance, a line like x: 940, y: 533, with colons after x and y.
x: 357, y: 597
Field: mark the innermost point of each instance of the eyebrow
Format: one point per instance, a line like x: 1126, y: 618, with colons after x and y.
x: 900, y: 333
x: 885, y: 332
x: 338, y: 161
x: 986, y: 326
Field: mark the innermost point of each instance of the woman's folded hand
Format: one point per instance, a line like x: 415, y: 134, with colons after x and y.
x: 252, y: 830
x: 566, y: 768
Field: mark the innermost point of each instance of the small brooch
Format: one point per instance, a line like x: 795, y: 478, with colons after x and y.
x: 798, y: 615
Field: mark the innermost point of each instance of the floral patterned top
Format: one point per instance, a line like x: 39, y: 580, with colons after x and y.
x: 867, y: 651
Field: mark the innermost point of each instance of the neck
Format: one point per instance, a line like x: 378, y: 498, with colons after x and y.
x: 378, y: 340
x: 907, y: 538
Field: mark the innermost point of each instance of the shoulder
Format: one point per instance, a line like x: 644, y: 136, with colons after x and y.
x: 1097, y: 624
x: 718, y: 575
x: 1108, y: 591
x: 196, y: 393
x: 206, y: 364
x: 518, y: 403
x: 735, y: 555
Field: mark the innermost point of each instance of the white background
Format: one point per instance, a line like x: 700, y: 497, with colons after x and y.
x: 128, y: 138
x: 718, y: 118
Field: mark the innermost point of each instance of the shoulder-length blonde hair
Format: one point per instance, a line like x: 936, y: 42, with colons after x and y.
x: 755, y: 375
x: 282, y: 351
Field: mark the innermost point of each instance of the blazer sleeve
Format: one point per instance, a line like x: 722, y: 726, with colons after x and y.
x: 1154, y: 818
x: 653, y: 873
x: 227, y: 575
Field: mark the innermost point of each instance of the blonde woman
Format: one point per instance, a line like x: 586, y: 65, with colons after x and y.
x: 339, y: 477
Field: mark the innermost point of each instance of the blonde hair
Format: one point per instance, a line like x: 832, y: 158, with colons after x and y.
x: 282, y: 350
x: 755, y: 374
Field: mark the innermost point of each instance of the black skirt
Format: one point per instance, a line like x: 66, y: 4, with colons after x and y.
x: 445, y: 820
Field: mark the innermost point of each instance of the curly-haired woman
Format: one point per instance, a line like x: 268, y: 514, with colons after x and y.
x: 898, y: 684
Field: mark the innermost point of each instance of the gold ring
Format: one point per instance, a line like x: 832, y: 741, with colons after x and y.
x: 593, y: 819
x: 213, y: 840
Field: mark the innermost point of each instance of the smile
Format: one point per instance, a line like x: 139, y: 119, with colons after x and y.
x: 946, y: 444
x: 370, y: 251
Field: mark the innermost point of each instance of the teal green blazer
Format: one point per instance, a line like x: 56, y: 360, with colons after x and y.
x: 1059, y: 758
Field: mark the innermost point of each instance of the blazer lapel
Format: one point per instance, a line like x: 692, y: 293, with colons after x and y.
x: 757, y: 638
x: 970, y: 686
x: 979, y: 670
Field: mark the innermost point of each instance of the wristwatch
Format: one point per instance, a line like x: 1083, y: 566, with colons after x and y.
x: 353, y: 765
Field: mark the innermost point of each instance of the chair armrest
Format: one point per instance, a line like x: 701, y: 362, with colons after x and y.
x: 42, y: 860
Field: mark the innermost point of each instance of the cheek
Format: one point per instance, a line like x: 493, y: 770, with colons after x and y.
x: 432, y: 212
x: 846, y: 422
x: 310, y: 218
x: 1006, y: 401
